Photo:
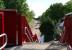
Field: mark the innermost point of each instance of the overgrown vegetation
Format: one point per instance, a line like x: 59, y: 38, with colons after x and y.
x: 20, y: 5
x: 50, y: 19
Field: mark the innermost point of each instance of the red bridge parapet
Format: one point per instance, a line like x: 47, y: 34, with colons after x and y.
x: 16, y: 28
x: 67, y: 34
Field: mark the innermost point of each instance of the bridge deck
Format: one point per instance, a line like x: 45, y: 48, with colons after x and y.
x: 38, y: 46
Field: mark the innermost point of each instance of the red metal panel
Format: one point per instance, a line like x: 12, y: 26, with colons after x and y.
x: 1, y: 28
x: 22, y: 23
x: 19, y: 30
x: 16, y: 27
x: 35, y: 39
x: 29, y: 32
x: 10, y: 26
x: 67, y: 35
x: 25, y: 33
x: 21, y: 33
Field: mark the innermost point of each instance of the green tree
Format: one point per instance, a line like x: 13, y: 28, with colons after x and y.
x: 30, y: 15
x: 56, y: 12
x: 68, y: 7
x: 2, y: 4
x: 47, y: 29
x: 49, y: 20
x: 10, y: 4
x: 21, y: 6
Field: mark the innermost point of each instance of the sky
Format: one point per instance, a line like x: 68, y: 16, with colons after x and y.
x: 40, y: 6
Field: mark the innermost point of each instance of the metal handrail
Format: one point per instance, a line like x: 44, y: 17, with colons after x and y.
x: 27, y: 34
x: 5, y: 42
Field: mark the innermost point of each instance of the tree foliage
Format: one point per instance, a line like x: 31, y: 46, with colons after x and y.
x: 2, y: 4
x: 68, y: 7
x: 54, y: 14
x: 21, y: 6
x: 47, y: 29
x: 10, y: 4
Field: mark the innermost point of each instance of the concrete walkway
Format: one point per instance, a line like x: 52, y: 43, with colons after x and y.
x: 38, y: 46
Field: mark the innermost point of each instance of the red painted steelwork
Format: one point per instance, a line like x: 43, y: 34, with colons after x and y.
x: 67, y: 35
x: 16, y: 27
x: 24, y: 30
x: 1, y: 28
x: 10, y: 25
